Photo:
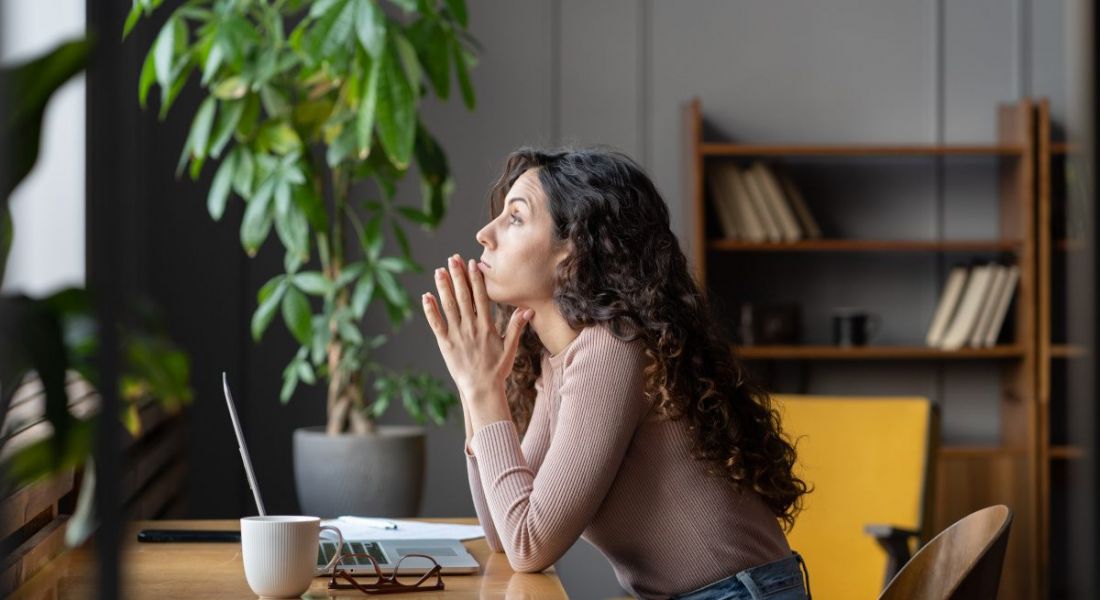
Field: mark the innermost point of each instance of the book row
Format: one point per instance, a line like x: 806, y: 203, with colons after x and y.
x: 972, y: 308
x: 759, y: 204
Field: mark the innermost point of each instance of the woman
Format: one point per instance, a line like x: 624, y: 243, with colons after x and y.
x: 640, y: 432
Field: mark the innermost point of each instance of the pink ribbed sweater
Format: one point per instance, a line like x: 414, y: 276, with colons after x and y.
x: 594, y: 464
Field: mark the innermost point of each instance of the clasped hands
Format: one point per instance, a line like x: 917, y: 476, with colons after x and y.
x: 478, y: 358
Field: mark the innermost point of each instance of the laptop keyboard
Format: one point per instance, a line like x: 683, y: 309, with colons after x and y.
x: 328, y: 549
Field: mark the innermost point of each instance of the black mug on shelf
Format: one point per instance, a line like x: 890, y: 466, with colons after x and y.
x: 854, y: 327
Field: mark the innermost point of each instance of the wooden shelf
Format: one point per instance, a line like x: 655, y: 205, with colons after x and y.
x: 972, y: 476
x: 834, y: 245
x: 1064, y: 148
x: 731, y: 150
x: 1066, y: 452
x: 807, y: 352
x: 1066, y: 351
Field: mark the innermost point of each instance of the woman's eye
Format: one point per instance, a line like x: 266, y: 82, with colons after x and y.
x: 515, y: 219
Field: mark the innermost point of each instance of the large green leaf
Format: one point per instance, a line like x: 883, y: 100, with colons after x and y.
x: 312, y: 206
x: 457, y: 8
x: 390, y: 287
x: 370, y: 26
x: 296, y: 313
x: 290, y: 223
x: 164, y: 48
x: 236, y: 36
x: 364, y: 293
x: 213, y: 62
x: 228, y: 118
x: 290, y: 383
x: 396, y: 109
x: 269, y: 299
x: 223, y: 182
x: 148, y: 76
x: 312, y: 282
x: 200, y: 128
x: 182, y: 71
x: 257, y: 218
x: 132, y: 18
x: 435, y: 174
x: 28, y: 87
x: 434, y: 48
x: 463, y: 63
x: 342, y: 146
x: 244, y: 171
x: 365, y: 116
x: 332, y: 32
x: 372, y: 239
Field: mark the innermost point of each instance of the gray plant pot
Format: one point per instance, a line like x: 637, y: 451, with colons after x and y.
x: 376, y: 475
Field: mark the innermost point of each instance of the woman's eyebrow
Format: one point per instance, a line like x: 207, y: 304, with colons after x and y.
x: 523, y: 200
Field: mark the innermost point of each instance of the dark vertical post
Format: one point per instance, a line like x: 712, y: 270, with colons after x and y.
x: 105, y: 168
x: 1083, y: 274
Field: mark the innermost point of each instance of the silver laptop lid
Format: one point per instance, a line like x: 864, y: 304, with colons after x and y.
x: 242, y: 447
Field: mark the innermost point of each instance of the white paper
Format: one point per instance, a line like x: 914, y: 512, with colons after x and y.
x: 357, y: 529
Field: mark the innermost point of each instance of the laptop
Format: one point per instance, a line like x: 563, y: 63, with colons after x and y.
x: 451, y: 555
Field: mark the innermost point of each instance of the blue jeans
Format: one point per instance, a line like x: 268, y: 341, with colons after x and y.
x: 779, y: 580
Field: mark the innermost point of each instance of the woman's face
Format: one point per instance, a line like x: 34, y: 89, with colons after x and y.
x: 517, y: 247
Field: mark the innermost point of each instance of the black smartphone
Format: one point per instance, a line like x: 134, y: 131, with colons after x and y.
x: 187, y: 535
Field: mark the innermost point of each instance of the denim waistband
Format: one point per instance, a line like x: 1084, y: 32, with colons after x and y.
x: 784, y: 578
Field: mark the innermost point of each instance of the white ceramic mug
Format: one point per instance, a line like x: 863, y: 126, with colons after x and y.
x: 280, y: 553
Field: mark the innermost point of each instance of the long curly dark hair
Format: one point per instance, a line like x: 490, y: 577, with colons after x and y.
x: 627, y: 271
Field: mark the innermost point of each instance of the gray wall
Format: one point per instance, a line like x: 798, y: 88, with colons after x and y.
x: 617, y: 72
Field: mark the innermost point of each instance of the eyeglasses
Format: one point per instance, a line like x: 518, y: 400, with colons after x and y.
x: 385, y: 584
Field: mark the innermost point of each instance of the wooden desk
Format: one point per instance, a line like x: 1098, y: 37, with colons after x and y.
x: 215, y: 570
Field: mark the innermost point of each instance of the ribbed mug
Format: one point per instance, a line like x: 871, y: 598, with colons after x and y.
x: 280, y: 553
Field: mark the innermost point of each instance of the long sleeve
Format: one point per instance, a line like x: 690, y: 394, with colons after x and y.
x: 482, y: 509
x: 539, y: 513
x: 534, y: 446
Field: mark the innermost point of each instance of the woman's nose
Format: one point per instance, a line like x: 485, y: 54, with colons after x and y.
x: 483, y: 236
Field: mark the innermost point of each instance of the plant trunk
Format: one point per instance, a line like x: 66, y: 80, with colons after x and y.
x: 345, y: 402
x: 346, y: 408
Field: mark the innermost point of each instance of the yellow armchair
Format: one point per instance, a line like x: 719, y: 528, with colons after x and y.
x: 870, y: 462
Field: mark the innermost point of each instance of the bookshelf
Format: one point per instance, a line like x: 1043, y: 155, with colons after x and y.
x: 1056, y: 247
x: 968, y: 477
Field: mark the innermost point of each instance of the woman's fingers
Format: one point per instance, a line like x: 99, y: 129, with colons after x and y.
x: 447, y: 298
x: 515, y: 329
x: 435, y: 320
x: 481, y: 297
x: 461, y: 284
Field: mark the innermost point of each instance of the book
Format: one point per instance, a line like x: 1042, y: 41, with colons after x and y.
x: 760, y: 205
x: 781, y: 208
x: 805, y: 217
x: 721, y: 198
x: 748, y: 221
x: 1008, y: 290
x: 966, y: 315
x: 985, y: 315
x: 949, y: 301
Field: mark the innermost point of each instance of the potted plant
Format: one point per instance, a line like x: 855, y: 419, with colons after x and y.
x: 302, y: 100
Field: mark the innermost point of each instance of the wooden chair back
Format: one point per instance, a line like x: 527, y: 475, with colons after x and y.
x: 963, y: 561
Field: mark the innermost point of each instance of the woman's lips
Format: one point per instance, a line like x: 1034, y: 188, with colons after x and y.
x: 484, y: 264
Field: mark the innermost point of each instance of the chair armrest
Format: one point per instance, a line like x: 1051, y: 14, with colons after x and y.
x: 895, y: 541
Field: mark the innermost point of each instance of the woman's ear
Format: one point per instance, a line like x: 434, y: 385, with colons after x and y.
x: 564, y: 252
